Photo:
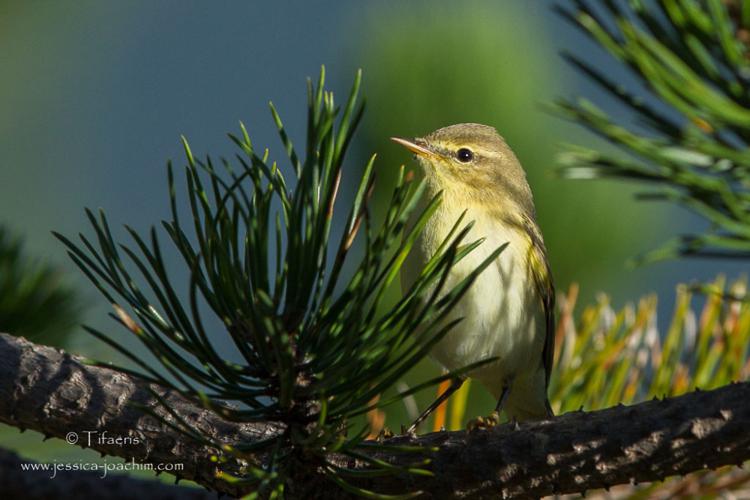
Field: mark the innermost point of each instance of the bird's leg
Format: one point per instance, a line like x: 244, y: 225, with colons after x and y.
x: 494, y: 418
x: 456, y: 383
x: 503, y: 396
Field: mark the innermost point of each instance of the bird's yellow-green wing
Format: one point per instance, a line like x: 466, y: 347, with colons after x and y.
x: 540, y: 271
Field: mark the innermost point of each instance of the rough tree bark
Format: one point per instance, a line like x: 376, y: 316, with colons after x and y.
x: 47, y: 390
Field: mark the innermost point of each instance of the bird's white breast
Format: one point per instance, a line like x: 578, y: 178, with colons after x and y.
x: 502, y: 314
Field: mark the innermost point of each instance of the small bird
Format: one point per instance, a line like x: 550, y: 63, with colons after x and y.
x: 508, y: 312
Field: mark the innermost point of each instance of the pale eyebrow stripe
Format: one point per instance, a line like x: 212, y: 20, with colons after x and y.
x: 489, y: 153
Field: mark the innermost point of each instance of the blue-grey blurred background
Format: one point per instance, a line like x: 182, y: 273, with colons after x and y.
x: 94, y: 96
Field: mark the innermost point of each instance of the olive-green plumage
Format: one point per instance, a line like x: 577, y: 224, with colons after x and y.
x: 508, y: 311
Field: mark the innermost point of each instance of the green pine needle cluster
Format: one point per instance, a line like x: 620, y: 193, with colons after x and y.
x: 691, y: 110
x: 607, y: 357
x: 312, y: 346
x: 34, y: 302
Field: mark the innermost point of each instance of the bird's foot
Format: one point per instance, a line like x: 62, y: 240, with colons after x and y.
x: 487, y: 422
x: 384, y: 433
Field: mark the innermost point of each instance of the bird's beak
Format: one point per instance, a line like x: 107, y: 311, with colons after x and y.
x: 416, y: 146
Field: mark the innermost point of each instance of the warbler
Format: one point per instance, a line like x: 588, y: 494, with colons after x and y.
x: 508, y: 312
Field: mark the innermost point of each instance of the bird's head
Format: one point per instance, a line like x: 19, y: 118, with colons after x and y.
x: 474, y: 162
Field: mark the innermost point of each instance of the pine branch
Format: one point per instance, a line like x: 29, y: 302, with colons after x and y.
x: 47, y: 390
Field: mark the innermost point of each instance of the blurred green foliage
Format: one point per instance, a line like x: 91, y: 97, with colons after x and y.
x: 34, y: 302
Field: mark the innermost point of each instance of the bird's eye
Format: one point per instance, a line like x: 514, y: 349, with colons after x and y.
x: 464, y: 155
